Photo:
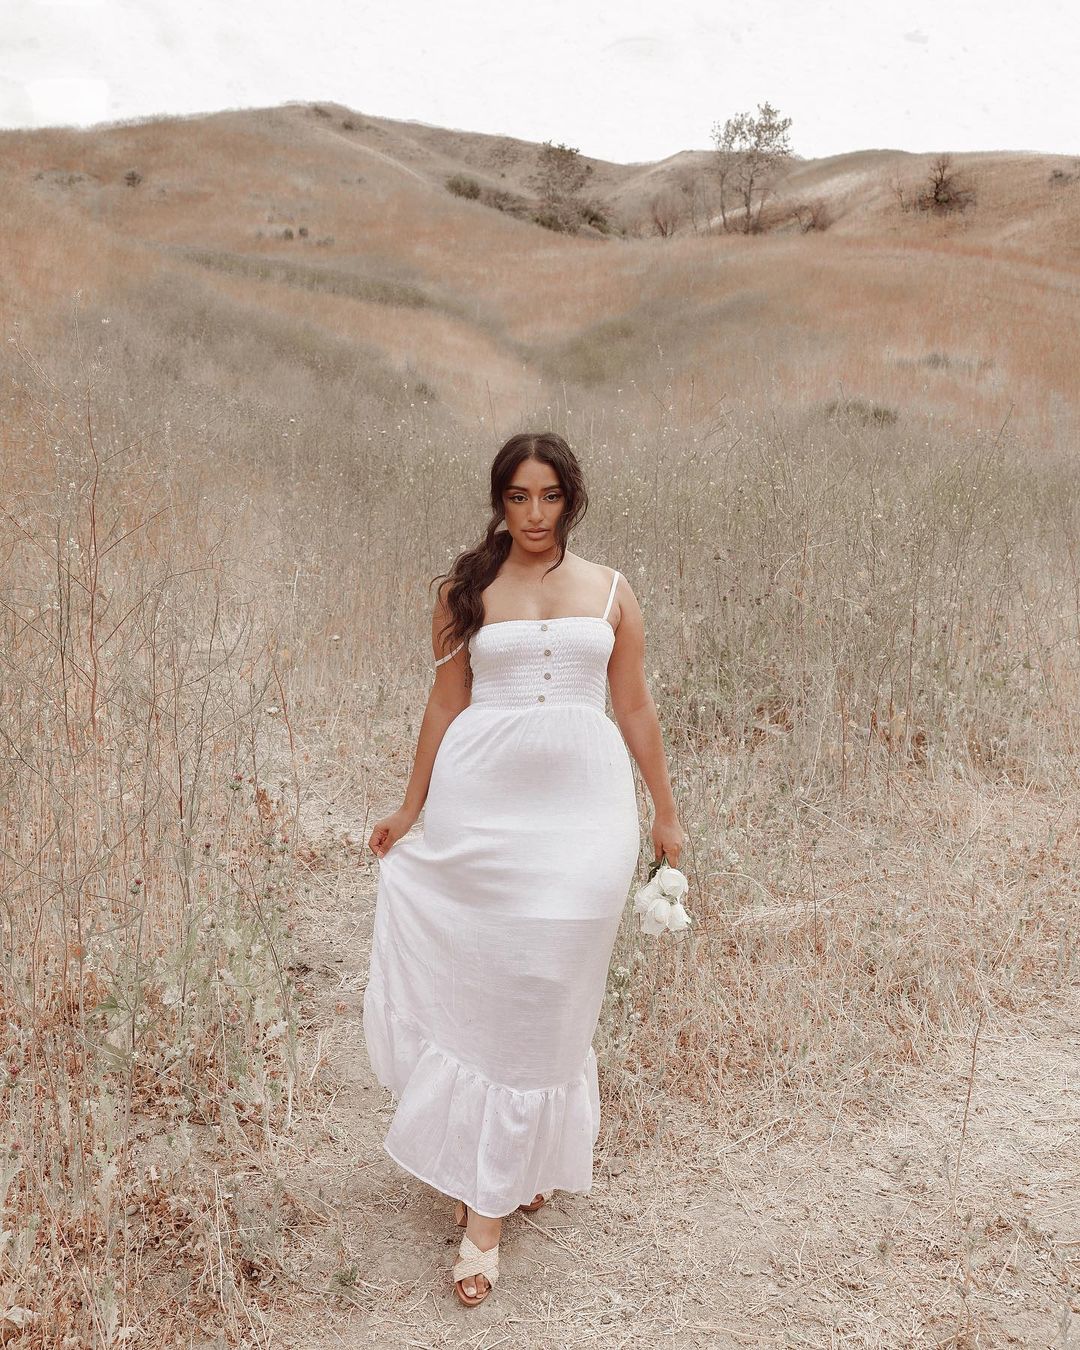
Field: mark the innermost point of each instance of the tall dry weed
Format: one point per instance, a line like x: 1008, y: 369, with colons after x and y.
x: 862, y: 641
x: 147, y: 1041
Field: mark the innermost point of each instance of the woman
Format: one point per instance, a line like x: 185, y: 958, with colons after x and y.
x: 494, y: 928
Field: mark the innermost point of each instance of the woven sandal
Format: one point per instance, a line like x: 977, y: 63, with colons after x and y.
x: 472, y: 1261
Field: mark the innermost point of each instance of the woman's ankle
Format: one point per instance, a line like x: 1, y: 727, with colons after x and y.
x: 484, y: 1226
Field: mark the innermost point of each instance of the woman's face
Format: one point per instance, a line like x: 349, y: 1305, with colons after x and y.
x: 533, y: 501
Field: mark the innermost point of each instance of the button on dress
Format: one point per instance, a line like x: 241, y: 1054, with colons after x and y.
x: 494, y: 927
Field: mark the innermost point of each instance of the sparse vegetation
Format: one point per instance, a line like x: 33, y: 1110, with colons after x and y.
x: 463, y: 186
x: 558, y: 218
x: 592, y: 213
x: 815, y: 215
x: 564, y: 214
x: 569, y: 217
x: 860, y: 412
x: 944, y: 191
x: 512, y: 203
x: 750, y: 152
x: 689, y: 202
x: 667, y: 210
x: 947, y: 189
x: 560, y: 175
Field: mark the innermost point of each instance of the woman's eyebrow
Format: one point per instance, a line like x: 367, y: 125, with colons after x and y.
x: 516, y: 487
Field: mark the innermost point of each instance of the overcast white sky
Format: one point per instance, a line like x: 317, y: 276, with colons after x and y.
x: 624, y: 80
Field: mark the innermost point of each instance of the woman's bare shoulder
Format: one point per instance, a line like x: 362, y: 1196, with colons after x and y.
x: 592, y: 570
x: 622, y: 583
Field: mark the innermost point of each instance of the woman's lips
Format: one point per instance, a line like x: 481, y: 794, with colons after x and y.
x: 535, y: 534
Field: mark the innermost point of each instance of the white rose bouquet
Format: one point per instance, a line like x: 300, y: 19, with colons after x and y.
x: 659, y: 901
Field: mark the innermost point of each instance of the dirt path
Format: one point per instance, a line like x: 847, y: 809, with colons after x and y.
x: 812, y: 1231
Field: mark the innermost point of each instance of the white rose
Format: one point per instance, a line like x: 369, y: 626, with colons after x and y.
x: 655, y: 919
x: 678, y: 919
x: 672, y: 882
x: 645, y: 897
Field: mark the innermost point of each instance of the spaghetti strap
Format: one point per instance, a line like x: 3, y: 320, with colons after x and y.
x: 450, y: 654
x: 611, y: 594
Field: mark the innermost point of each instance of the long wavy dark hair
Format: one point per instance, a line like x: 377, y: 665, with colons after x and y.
x: 476, y: 568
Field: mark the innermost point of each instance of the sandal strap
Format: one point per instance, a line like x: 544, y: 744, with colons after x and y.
x: 473, y: 1261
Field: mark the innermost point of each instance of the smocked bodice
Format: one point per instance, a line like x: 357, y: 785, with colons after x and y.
x: 542, y: 663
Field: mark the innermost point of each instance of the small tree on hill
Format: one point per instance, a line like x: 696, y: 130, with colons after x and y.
x: 946, y: 188
x: 749, y: 152
x: 696, y: 190
x: 560, y: 174
x: 666, y: 212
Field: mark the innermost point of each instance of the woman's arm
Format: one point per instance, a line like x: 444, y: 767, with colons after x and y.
x: 447, y: 698
x: 635, y: 712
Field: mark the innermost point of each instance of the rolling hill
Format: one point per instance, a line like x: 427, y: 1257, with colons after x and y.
x: 321, y: 221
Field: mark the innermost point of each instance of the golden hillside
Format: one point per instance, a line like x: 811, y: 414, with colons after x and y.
x: 961, y: 318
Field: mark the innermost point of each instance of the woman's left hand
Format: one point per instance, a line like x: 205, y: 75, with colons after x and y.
x: 669, y: 838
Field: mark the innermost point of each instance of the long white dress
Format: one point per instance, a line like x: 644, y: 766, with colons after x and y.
x: 494, y: 927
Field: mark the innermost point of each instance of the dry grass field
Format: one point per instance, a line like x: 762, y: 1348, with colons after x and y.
x: 249, y: 400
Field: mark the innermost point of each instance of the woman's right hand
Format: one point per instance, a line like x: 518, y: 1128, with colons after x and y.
x: 389, y: 830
